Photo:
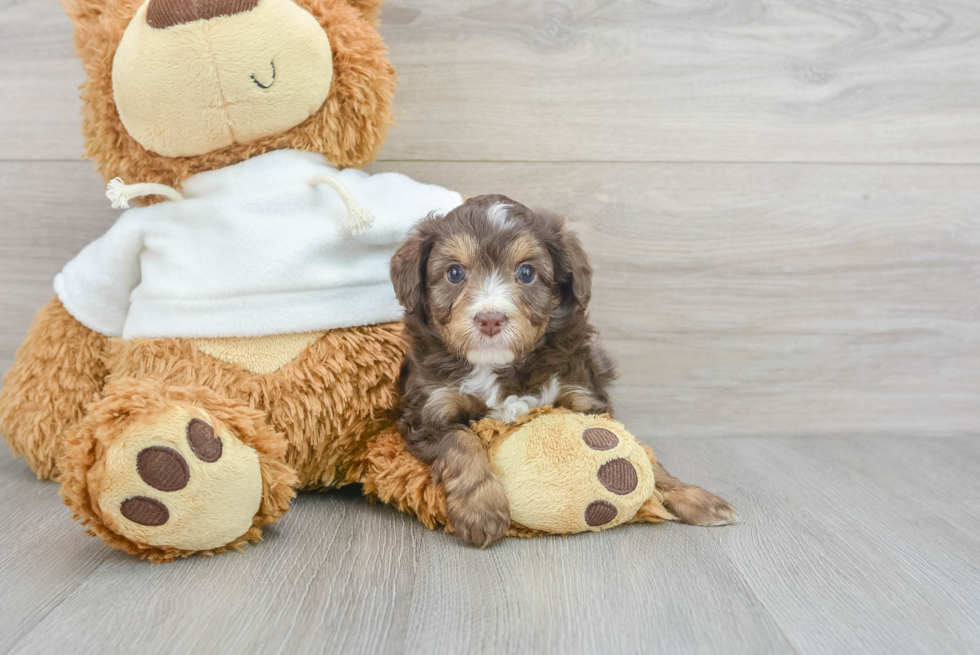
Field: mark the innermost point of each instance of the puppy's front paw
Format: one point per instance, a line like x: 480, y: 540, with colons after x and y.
x: 695, y: 506
x: 481, y: 513
x: 512, y: 408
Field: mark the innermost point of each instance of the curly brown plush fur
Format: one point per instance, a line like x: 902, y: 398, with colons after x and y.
x: 323, y: 420
x: 389, y: 473
x: 310, y: 422
x: 349, y: 128
x: 370, y: 9
x: 58, y: 369
x: 326, y: 401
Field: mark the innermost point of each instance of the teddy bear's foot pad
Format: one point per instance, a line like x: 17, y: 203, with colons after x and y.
x: 567, y: 473
x: 165, y: 469
x: 145, y: 511
x: 176, y: 482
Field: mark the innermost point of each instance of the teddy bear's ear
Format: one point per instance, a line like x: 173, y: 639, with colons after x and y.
x: 355, y: 118
x: 370, y: 9
x: 84, y: 16
x: 97, y: 25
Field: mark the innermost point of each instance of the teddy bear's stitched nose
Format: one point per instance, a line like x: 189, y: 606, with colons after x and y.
x: 167, y: 13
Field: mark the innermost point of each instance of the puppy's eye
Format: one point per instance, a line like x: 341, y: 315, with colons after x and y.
x: 456, y: 274
x: 525, y: 274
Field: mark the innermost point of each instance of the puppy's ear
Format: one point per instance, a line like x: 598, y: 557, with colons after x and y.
x: 573, y: 272
x: 407, y: 268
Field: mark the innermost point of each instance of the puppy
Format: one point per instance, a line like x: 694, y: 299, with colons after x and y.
x: 495, y: 299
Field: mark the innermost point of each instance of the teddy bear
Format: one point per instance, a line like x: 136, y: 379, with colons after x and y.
x: 235, y: 337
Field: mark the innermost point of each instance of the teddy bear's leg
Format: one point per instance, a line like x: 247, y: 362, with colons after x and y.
x: 58, y: 370
x: 388, y: 472
x: 566, y: 472
x: 653, y: 509
x: 563, y: 473
x: 163, y: 472
x: 688, y: 503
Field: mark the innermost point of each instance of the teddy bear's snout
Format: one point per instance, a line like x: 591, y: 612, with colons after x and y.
x: 161, y: 14
x: 193, y: 76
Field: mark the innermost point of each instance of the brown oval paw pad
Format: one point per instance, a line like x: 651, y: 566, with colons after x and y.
x: 618, y: 476
x: 600, y: 439
x: 145, y: 511
x: 163, y: 468
x: 600, y: 512
x: 203, y: 441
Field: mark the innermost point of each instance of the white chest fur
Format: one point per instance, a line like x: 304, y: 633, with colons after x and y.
x: 484, y: 383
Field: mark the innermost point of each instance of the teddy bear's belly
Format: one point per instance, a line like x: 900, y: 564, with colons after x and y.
x: 258, y: 354
x: 326, y: 392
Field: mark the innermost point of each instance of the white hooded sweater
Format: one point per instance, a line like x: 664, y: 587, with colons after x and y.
x: 252, y: 250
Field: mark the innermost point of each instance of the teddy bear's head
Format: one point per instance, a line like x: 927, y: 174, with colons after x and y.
x: 176, y: 87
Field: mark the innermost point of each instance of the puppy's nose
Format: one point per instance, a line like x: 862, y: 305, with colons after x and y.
x: 490, y: 323
x: 161, y: 14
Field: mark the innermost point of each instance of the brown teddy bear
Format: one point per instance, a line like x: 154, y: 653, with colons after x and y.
x: 236, y: 337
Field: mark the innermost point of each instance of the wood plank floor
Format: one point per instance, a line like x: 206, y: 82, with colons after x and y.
x: 782, y: 203
x: 848, y: 545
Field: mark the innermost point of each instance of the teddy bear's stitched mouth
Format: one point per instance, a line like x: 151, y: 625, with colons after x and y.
x: 272, y: 64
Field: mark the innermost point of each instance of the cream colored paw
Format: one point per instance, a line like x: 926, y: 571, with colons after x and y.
x: 178, y: 482
x: 512, y: 408
x: 566, y: 473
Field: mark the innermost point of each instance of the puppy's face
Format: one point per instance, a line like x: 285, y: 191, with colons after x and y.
x: 491, y: 277
x: 490, y: 287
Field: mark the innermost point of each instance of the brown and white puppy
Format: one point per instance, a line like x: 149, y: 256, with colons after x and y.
x: 495, y: 299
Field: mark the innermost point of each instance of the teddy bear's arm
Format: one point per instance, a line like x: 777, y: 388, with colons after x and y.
x: 58, y: 369
x: 95, y: 287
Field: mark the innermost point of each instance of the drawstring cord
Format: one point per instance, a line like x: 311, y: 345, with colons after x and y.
x: 120, y: 194
x: 358, y: 219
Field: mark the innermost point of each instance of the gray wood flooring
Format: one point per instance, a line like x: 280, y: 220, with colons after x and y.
x: 782, y: 202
